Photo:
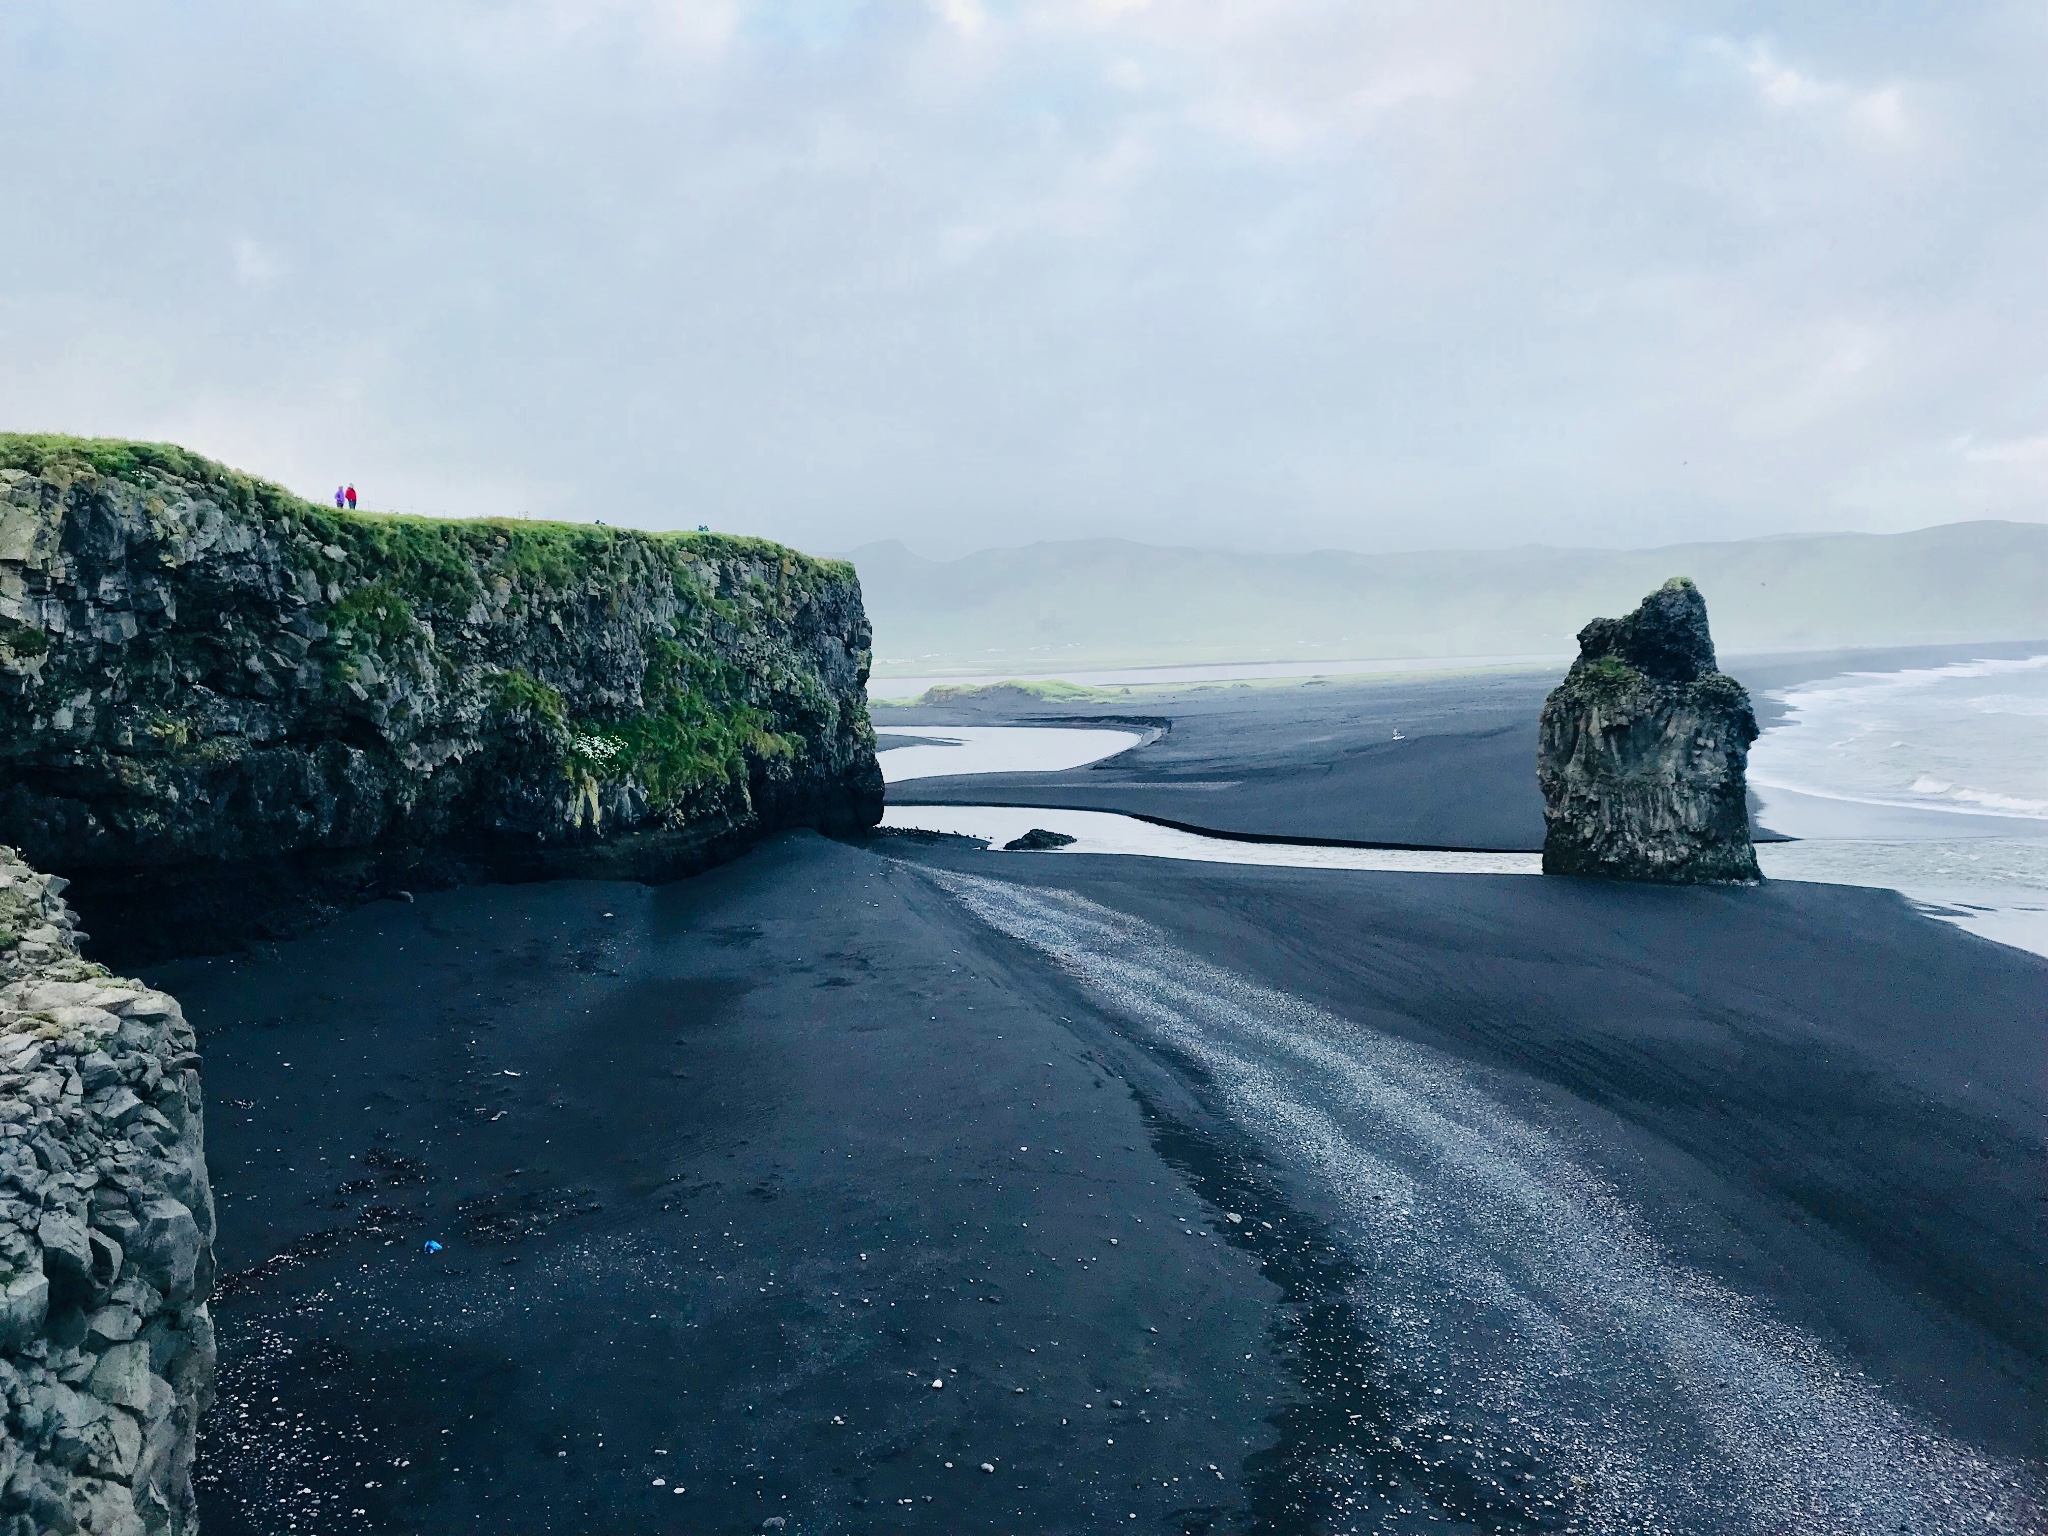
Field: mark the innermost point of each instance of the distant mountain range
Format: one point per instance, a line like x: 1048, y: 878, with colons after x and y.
x: 1101, y: 603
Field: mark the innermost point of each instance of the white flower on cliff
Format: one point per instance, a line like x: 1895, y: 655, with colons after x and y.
x: 596, y: 749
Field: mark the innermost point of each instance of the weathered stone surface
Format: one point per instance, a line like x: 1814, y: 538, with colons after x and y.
x: 65, y: 1252
x: 115, y: 1324
x: 73, y: 1423
x: 24, y: 1303
x: 218, y: 698
x: 106, y: 1362
x: 166, y: 1249
x: 1643, y: 750
x: 122, y: 1376
x: 122, y: 1106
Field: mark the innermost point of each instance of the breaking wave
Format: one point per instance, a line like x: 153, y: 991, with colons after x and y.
x: 1970, y: 739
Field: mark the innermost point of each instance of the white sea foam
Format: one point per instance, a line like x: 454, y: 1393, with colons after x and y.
x: 1895, y: 778
x: 1967, y: 740
x: 1503, y: 1272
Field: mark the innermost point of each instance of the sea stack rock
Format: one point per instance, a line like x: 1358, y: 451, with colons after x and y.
x: 1643, y: 749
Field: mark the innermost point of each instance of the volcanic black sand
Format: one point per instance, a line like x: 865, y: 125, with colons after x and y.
x: 1295, y: 760
x: 728, y: 1173
x: 1323, y: 761
x: 1217, y: 1197
x: 786, y: 1145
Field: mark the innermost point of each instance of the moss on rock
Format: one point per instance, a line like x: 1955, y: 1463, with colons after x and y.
x: 1643, y: 749
x: 198, y: 667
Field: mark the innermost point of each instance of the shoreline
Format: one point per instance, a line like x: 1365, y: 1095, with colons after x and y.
x: 1272, y: 839
x: 2004, y: 901
x: 906, y: 688
x: 902, y: 692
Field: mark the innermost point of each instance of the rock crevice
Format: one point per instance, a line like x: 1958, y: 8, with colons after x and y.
x: 106, y: 1236
x: 1643, y: 749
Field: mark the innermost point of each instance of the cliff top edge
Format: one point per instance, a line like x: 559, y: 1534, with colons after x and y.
x: 149, y: 465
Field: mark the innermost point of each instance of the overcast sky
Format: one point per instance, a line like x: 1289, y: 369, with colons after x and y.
x: 1274, y: 274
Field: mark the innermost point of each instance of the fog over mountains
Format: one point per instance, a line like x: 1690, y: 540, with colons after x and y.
x: 1112, y: 603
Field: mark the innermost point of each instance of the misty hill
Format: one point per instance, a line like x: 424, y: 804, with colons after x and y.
x: 1113, y: 603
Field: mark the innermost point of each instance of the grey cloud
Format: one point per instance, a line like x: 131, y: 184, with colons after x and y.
x: 1289, y: 275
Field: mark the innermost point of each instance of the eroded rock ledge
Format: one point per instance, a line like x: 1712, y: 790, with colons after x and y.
x: 220, y: 700
x: 106, y: 1236
x: 1643, y: 751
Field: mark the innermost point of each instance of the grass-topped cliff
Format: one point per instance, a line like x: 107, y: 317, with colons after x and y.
x: 199, y: 669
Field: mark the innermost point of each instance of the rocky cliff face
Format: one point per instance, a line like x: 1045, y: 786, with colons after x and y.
x: 208, y: 684
x: 1642, y: 751
x: 106, y: 1233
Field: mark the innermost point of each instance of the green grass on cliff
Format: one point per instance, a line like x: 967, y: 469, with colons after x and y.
x: 389, y: 578
x: 139, y: 464
x: 693, y: 730
x: 437, y: 559
x: 1606, y: 680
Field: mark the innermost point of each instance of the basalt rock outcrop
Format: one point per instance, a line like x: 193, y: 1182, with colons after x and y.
x: 1643, y: 749
x: 220, y: 701
x: 106, y: 1236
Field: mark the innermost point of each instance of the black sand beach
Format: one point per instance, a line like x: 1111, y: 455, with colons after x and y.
x: 1813, y: 1093
x: 731, y: 1089
x: 1316, y: 761
x: 1217, y: 1198
x: 1322, y: 762
x: 786, y: 1145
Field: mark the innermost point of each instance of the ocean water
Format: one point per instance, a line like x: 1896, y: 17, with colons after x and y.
x: 943, y: 751
x: 1995, y: 888
x: 1109, y: 832
x: 1962, y: 741
x: 1931, y: 781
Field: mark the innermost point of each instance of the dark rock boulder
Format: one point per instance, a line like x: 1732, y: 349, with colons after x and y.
x: 1642, y: 751
x: 1037, y: 840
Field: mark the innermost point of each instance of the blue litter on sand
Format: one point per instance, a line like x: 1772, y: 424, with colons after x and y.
x: 432, y: 1246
